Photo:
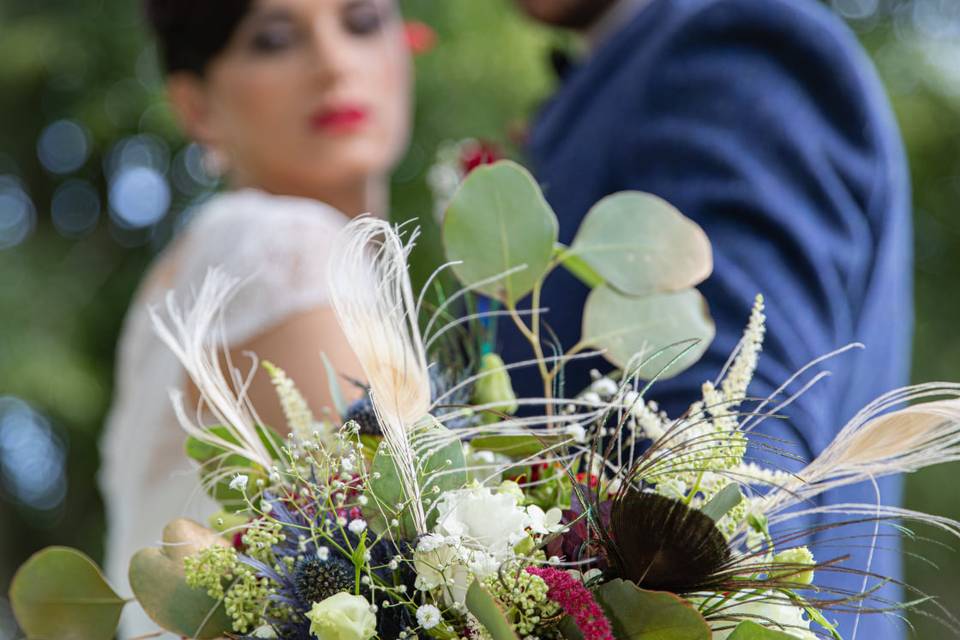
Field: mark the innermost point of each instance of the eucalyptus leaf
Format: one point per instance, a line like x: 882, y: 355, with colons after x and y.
x: 60, y: 593
x: 490, y: 614
x: 497, y: 222
x: 721, y: 504
x: 656, y: 329
x: 748, y: 630
x: 637, y: 614
x: 640, y: 244
x: 157, y: 579
x: 438, y: 467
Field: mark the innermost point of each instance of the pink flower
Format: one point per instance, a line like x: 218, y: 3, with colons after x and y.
x: 576, y: 601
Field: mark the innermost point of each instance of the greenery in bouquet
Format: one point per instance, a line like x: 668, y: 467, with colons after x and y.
x: 442, y: 506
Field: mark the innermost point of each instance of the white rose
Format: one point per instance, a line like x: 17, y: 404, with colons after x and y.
x: 484, y: 520
x: 769, y: 610
x: 342, y: 617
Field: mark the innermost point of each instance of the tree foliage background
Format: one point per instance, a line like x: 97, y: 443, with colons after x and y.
x: 95, y: 178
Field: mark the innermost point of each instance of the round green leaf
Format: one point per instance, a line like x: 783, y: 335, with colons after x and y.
x: 498, y: 221
x: 60, y: 593
x: 642, y: 330
x: 640, y: 244
x: 637, y: 614
x: 157, y: 579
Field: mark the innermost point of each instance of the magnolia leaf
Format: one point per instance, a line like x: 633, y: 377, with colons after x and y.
x: 516, y: 446
x: 721, y: 504
x: 752, y: 631
x: 655, y: 331
x: 577, y: 266
x: 60, y: 593
x: 443, y: 467
x: 499, y: 221
x: 157, y: 579
x: 637, y: 614
x: 640, y: 244
x: 490, y: 614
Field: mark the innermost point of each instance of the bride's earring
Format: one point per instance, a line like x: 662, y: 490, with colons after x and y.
x: 215, y: 162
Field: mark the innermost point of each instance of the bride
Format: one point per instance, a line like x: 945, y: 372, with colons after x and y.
x: 303, y: 108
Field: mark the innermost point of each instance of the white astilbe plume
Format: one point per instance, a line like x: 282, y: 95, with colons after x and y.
x: 196, y: 337
x: 373, y: 299
x: 876, y: 443
x: 295, y: 408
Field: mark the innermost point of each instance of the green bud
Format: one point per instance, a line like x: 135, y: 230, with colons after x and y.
x: 794, y: 559
x: 494, y: 385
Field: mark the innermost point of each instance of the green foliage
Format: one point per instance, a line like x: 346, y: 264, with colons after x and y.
x: 656, y: 328
x: 499, y: 222
x: 637, y: 614
x: 60, y: 593
x: 219, y: 466
x: 490, y: 614
x: 440, y: 469
x: 752, y: 631
x: 721, y: 504
x: 518, y: 446
x: 640, y: 244
x: 158, y: 582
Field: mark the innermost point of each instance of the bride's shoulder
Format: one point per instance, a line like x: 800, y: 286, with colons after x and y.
x: 250, y: 211
x: 244, y: 228
x: 248, y: 233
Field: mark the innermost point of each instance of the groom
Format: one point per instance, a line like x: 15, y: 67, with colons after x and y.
x: 763, y: 121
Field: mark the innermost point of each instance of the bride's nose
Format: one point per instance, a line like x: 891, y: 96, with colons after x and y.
x: 330, y: 57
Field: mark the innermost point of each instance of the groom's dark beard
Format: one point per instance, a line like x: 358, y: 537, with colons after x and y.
x: 570, y: 14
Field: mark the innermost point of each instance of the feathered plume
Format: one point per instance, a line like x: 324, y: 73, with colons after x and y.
x: 373, y: 299
x: 196, y: 337
x: 875, y: 443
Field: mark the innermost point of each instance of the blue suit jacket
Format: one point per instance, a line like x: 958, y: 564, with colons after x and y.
x: 764, y: 122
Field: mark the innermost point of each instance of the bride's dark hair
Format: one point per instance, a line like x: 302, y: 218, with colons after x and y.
x: 192, y: 32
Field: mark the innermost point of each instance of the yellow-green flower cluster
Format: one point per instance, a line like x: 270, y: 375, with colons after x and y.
x: 245, y: 599
x: 525, y: 596
x: 211, y: 568
x: 218, y: 571
x: 261, y: 536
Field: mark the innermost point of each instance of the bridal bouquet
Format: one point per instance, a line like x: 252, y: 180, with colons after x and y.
x: 440, y: 505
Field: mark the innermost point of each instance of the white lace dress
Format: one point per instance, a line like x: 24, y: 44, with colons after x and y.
x: 281, y: 246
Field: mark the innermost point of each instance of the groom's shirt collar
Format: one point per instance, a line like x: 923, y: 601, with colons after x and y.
x: 616, y: 18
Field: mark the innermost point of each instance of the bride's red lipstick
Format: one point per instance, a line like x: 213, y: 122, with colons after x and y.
x: 339, y: 119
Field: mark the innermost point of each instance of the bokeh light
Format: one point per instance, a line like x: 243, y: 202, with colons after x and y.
x: 139, y: 196
x: 17, y: 213
x: 32, y: 457
x: 63, y: 147
x: 75, y: 208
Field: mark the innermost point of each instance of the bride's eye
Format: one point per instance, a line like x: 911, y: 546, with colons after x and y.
x: 273, y: 38
x: 364, y: 17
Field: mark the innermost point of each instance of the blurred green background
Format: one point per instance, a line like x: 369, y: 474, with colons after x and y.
x: 94, y: 179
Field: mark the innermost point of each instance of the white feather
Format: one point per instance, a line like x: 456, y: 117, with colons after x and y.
x: 373, y: 299
x: 196, y: 338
